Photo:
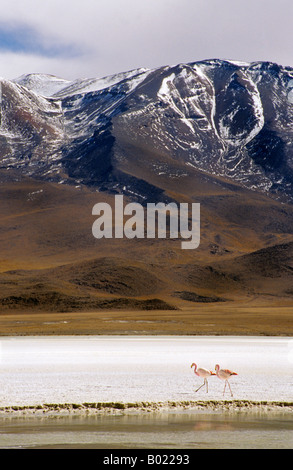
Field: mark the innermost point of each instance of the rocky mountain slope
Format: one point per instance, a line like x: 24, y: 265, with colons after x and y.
x: 223, y: 118
x: 214, y: 132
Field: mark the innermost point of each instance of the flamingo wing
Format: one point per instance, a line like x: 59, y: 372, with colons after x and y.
x: 204, y: 372
x: 229, y: 372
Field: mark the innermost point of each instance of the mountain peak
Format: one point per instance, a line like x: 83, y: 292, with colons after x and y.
x: 228, y: 119
x: 42, y: 84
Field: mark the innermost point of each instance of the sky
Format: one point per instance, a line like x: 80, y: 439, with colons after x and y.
x: 95, y: 38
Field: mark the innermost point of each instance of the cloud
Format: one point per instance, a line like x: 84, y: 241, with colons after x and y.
x: 22, y: 38
x: 97, y: 37
x: 13, y: 65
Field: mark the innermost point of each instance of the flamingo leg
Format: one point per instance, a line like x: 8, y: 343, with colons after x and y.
x: 200, y: 387
x: 224, y: 387
x: 205, y: 382
x: 230, y: 389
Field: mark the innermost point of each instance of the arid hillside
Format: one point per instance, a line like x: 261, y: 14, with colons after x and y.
x: 50, y: 261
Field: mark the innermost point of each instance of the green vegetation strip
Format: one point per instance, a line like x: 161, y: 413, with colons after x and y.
x: 149, y: 406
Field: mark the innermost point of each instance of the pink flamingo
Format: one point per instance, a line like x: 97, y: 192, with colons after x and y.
x: 201, y: 372
x: 224, y: 374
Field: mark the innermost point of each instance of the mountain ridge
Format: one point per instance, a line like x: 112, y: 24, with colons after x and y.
x: 224, y: 118
x: 215, y: 132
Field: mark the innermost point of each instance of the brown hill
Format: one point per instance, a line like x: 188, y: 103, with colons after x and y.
x: 50, y: 261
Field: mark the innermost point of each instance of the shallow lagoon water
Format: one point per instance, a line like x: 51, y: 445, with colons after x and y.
x: 38, y: 370
x: 172, y: 430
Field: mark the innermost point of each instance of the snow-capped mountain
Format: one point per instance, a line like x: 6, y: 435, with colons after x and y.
x: 224, y: 118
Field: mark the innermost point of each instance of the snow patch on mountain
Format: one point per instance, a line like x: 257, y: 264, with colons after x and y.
x: 42, y: 84
x: 89, y: 85
x: 225, y: 118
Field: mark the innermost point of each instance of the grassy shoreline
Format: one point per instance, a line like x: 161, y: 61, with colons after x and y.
x: 229, y: 319
x: 138, y: 407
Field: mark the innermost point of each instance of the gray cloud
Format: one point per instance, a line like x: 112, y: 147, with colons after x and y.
x: 124, y: 34
x: 21, y: 38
